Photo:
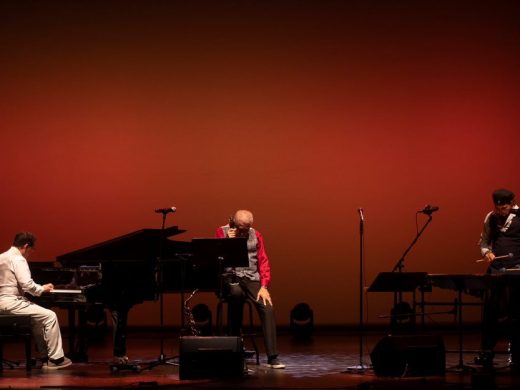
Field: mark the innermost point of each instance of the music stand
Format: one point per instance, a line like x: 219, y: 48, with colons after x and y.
x: 229, y: 251
x: 398, y: 281
x: 214, y: 255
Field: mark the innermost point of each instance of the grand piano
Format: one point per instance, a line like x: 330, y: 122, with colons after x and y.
x: 132, y: 268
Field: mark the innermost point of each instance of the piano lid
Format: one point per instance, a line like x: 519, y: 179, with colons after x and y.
x: 142, y: 244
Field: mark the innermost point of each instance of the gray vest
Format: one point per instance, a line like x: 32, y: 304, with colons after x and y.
x: 250, y: 272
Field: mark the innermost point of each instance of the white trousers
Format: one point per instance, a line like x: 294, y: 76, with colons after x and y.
x: 44, y: 323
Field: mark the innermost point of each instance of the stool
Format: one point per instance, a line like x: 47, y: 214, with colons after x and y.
x: 12, y: 328
x: 251, y: 334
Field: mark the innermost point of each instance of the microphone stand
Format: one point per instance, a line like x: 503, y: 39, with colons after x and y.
x: 162, y: 359
x: 361, y: 367
x: 399, y: 266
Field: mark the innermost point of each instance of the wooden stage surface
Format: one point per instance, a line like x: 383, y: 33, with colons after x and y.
x: 321, y: 363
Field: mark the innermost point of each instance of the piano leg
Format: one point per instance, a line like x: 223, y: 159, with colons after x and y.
x: 81, y: 345
x: 72, y: 332
x: 77, y: 338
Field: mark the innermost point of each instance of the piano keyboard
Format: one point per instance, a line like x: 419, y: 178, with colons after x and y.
x: 65, y: 291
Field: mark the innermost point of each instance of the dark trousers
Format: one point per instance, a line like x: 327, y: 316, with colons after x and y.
x: 235, y: 292
x: 120, y: 320
x: 501, y: 316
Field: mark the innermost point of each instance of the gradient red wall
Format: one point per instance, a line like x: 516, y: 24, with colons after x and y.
x: 301, y: 111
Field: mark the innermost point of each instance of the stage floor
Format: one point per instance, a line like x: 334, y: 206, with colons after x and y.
x: 322, y: 363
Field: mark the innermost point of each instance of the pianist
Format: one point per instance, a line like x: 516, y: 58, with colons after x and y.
x: 15, y: 280
x: 500, y: 246
x: 250, y: 283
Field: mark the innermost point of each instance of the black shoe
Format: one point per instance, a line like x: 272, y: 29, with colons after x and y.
x: 248, y: 354
x: 275, y: 363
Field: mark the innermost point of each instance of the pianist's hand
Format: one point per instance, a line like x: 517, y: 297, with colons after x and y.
x: 48, y: 287
x: 232, y: 233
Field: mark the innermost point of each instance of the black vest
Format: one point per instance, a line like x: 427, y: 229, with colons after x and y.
x: 506, y: 242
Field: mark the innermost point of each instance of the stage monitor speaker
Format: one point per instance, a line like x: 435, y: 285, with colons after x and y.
x: 409, y: 355
x: 203, y: 357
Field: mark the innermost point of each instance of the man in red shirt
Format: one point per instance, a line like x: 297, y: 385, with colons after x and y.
x: 251, y: 283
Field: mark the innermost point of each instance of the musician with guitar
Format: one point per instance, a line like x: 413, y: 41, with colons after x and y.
x: 500, y: 248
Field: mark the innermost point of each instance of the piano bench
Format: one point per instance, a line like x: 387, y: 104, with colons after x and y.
x: 14, y: 328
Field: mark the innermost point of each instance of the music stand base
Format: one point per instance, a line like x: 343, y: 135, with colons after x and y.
x: 163, y: 360
x: 461, y: 368
x: 168, y: 360
x: 359, y: 368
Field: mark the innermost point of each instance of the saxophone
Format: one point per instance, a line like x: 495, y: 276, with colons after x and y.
x: 188, y: 316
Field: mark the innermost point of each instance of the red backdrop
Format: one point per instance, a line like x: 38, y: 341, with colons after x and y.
x: 301, y: 111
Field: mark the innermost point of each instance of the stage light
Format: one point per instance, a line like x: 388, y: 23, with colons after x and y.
x: 302, y: 322
x: 203, y: 319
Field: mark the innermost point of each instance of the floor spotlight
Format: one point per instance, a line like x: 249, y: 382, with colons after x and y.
x: 302, y: 322
x: 203, y: 319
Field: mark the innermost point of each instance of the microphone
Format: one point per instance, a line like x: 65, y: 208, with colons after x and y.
x: 166, y: 210
x: 360, y: 211
x: 429, y: 209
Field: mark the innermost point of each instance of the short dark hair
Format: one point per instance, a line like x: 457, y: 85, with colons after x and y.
x: 503, y: 196
x: 24, y: 238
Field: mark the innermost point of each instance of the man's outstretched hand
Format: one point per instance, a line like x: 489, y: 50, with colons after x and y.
x: 264, y: 295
